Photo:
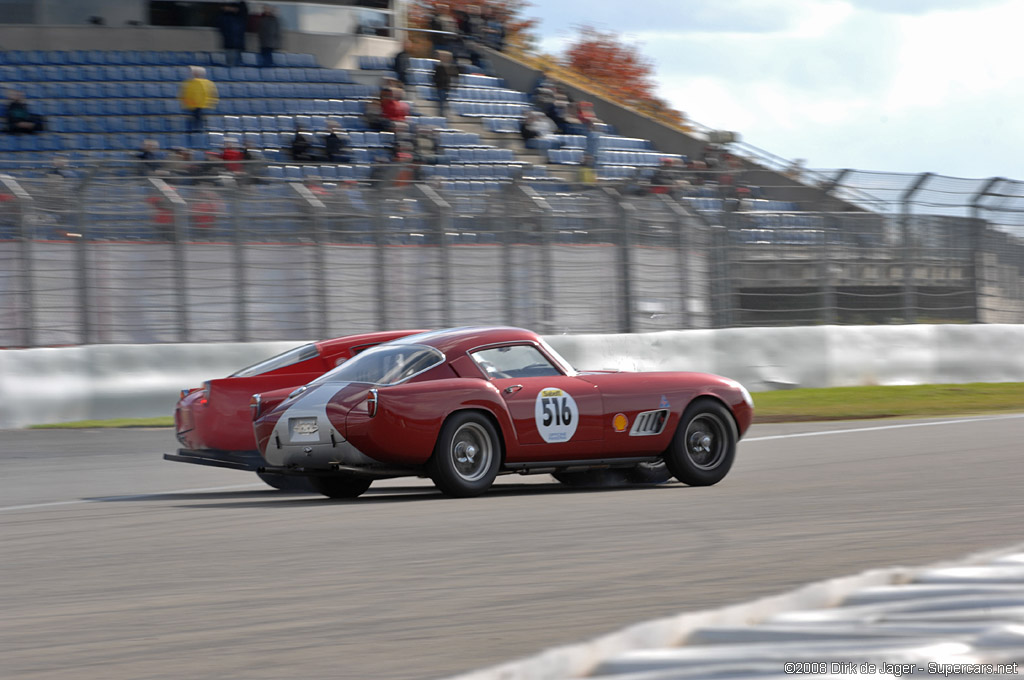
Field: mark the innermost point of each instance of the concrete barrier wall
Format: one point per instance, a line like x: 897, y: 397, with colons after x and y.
x: 52, y: 385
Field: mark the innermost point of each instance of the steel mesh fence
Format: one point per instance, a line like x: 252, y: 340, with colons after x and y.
x: 114, y: 256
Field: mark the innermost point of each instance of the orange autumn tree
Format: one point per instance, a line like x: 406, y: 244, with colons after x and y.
x: 618, y: 67
x: 518, y: 29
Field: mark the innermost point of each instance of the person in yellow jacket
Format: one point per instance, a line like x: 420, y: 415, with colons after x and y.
x: 197, y: 94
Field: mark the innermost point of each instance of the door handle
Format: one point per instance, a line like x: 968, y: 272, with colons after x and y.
x: 513, y: 388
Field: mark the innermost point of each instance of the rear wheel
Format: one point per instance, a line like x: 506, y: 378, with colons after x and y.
x: 467, y: 455
x: 340, y: 486
x: 704, y: 445
x: 291, y: 483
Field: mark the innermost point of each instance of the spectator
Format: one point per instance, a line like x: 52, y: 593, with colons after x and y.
x: 544, y: 99
x: 593, y: 143
x: 233, y: 157
x: 374, y: 119
x: 586, y: 116
x: 561, y: 112
x: 301, y: 147
x: 538, y: 131
x: 180, y: 166
x: 149, y: 157
x: 196, y: 95
x: 234, y: 16
x: 445, y: 74
x: 542, y: 81
x: 667, y: 178
x: 336, y: 144
x: 445, y: 29
x: 391, y: 108
x: 402, y: 62
x: 269, y: 33
x: 473, y: 26
x: 494, y: 29
x: 426, y: 148
x: 588, y: 172
x: 20, y: 120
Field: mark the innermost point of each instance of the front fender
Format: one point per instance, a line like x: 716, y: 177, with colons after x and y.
x: 409, y: 416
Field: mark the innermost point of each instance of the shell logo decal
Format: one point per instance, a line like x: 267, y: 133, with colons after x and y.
x: 620, y: 422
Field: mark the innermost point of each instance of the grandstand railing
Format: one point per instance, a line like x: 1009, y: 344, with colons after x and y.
x: 104, y: 253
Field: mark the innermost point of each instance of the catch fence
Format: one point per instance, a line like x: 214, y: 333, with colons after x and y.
x: 113, y: 256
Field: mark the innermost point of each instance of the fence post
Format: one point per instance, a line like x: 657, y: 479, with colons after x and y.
x: 445, y: 227
x: 82, y: 263
x: 628, y: 218
x: 318, y: 216
x: 241, y: 275
x: 547, y: 308
x: 509, y: 195
x: 379, y: 241
x: 978, y: 227
x: 686, y: 272
x: 909, y: 251
x: 26, y: 236
x: 179, y: 209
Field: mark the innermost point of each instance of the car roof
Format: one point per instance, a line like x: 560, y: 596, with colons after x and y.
x: 453, y: 341
x: 336, y: 344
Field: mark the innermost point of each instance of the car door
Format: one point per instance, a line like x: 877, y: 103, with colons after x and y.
x: 555, y: 416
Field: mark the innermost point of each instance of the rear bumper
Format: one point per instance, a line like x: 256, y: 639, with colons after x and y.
x: 234, y: 460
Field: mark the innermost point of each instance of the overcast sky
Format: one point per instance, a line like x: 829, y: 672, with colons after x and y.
x: 889, y: 85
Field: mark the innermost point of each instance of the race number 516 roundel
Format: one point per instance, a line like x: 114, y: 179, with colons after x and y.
x: 557, y: 415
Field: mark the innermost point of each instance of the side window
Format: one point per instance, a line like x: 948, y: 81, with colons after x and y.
x: 514, y: 361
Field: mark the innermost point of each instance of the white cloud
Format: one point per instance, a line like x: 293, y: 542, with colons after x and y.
x: 877, y: 84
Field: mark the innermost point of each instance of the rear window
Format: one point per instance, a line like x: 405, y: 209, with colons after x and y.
x: 385, y: 365
x: 289, y: 358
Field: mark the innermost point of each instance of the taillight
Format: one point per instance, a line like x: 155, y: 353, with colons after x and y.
x: 371, y: 402
x: 206, y: 394
x: 256, y: 405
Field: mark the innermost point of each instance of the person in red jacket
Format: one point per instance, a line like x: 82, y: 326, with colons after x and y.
x: 233, y: 156
x: 391, y: 108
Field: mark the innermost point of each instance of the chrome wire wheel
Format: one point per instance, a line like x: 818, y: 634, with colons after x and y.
x: 706, y: 441
x: 471, y: 451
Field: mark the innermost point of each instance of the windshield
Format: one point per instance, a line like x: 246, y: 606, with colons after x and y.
x: 384, y: 365
x: 292, y: 356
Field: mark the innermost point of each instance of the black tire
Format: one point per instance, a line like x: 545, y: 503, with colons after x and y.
x: 340, y: 486
x: 704, y: 446
x: 290, y: 483
x: 467, y: 455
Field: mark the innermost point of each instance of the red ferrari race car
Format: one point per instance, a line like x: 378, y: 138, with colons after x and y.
x: 214, y: 422
x: 467, y: 404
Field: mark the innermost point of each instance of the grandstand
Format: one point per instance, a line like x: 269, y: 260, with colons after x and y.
x: 791, y: 250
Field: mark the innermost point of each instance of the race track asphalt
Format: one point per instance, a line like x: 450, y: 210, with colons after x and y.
x: 117, y: 564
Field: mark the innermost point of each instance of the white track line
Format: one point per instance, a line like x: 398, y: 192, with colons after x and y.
x: 793, y: 435
x: 108, y: 499
x: 877, y: 428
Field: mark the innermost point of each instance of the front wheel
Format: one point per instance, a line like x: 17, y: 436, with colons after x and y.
x: 340, y: 486
x: 704, y: 445
x: 467, y: 455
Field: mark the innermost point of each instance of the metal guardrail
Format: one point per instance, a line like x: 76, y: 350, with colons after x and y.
x: 108, y: 255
